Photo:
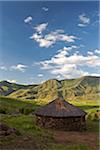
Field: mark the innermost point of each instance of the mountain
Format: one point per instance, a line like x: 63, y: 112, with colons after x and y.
x: 85, y: 87
x: 7, y: 88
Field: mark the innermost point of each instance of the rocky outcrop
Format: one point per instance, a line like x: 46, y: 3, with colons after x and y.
x: 5, y: 130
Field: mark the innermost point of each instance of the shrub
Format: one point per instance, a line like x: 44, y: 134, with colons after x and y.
x: 3, y: 110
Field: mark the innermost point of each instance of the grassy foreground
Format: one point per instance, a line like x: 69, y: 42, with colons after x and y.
x: 20, y: 115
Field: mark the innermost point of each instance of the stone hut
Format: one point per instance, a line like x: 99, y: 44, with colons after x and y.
x: 59, y: 114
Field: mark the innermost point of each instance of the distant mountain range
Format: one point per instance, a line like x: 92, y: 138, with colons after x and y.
x: 87, y: 87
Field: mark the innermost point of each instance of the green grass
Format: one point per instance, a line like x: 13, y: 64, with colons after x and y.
x: 5, y: 88
x: 72, y: 147
x: 11, y: 106
x: 91, y: 107
x: 25, y: 123
x: 87, y: 105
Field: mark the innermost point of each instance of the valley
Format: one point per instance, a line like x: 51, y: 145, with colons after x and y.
x: 17, y: 109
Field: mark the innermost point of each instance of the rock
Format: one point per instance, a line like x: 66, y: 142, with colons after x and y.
x: 3, y: 127
x: 5, y: 130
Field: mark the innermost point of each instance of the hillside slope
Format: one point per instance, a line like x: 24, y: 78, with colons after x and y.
x: 7, y: 88
x: 85, y: 87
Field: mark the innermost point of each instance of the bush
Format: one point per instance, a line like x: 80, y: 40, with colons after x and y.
x: 93, y: 116
x: 90, y: 116
x: 26, y: 110
x: 3, y: 110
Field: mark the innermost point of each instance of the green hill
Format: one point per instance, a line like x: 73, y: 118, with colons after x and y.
x: 7, y: 88
x: 85, y: 87
x: 82, y: 88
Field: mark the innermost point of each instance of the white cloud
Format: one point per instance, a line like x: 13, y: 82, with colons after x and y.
x: 60, y: 58
x: 95, y: 74
x: 41, y: 27
x: 90, y: 53
x: 41, y: 40
x: 44, y: 64
x: 65, y: 69
x: 58, y: 77
x: 84, y: 20
x: 36, y: 36
x: 97, y: 51
x: 3, y: 68
x: 45, y: 8
x: 81, y: 25
x: 45, y: 43
x: 12, y: 81
x: 65, y: 65
x: 59, y: 35
x: 28, y: 19
x: 19, y: 67
x: 51, y: 38
x: 40, y: 75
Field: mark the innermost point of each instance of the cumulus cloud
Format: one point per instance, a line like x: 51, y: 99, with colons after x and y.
x: 41, y: 40
x: 45, y: 8
x: 90, y: 53
x: 41, y: 27
x: 84, y: 20
x: 19, y: 67
x: 28, y: 19
x: 12, y: 81
x: 97, y: 51
x: 52, y: 37
x: 59, y: 35
x: 65, y: 65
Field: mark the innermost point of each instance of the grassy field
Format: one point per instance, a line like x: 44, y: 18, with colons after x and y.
x: 20, y: 115
x: 11, y: 106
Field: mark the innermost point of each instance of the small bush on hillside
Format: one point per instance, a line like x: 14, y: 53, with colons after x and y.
x: 93, y: 116
x: 3, y: 110
x: 90, y: 116
x: 27, y: 111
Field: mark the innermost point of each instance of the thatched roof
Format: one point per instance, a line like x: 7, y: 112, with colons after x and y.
x: 59, y: 108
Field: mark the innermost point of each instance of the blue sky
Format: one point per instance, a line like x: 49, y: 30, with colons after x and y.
x: 44, y: 40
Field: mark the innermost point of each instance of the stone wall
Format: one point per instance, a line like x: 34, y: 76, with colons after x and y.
x: 68, y: 123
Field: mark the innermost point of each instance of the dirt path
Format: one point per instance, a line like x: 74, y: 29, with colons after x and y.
x: 90, y: 139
